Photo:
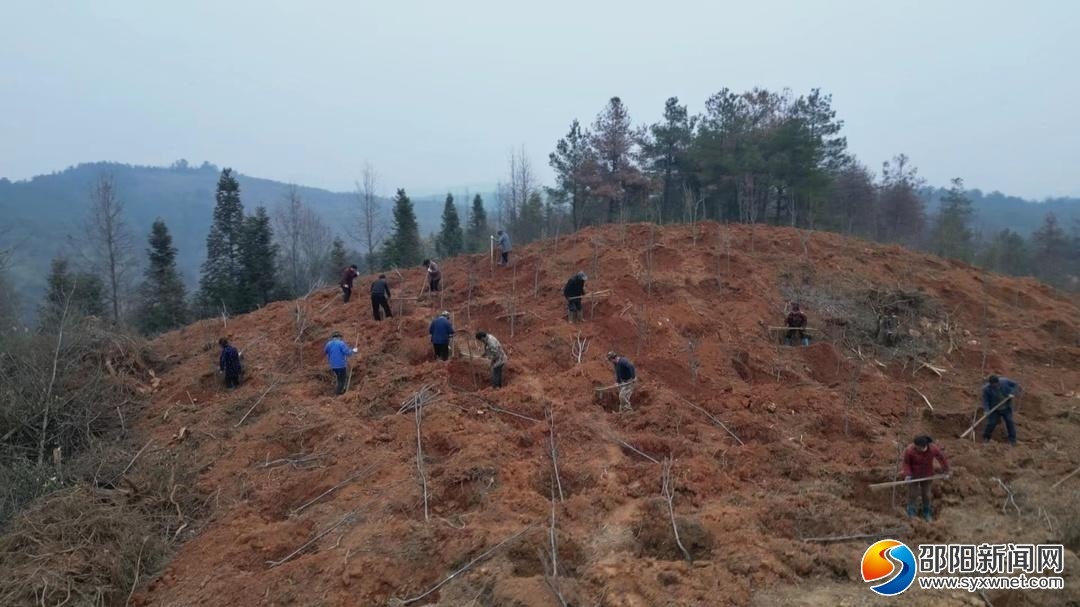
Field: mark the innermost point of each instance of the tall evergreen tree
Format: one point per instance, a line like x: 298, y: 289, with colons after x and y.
x: 81, y: 293
x: 478, y: 233
x: 901, y: 211
x: 162, y: 297
x: 576, y: 170
x: 221, y: 272
x: 338, y: 260
x: 666, y: 149
x: 952, y: 237
x: 614, y: 140
x: 451, y: 239
x: 1006, y: 253
x: 404, y: 248
x: 258, y: 282
x: 1050, y: 251
x: 531, y: 219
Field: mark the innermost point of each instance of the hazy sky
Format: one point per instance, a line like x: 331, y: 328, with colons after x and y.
x: 434, y: 94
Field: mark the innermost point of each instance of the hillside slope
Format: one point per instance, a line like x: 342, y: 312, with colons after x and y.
x: 337, y: 478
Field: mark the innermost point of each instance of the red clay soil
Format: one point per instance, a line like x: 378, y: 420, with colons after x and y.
x: 817, y: 425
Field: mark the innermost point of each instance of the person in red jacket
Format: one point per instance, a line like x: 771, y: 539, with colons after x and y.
x: 919, y: 463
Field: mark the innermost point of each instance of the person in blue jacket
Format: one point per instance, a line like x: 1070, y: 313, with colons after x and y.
x: 337, y: 354
x: 441, y: 330
x: 503, y: 241
x: 229, y: 364
x: 995, y: 390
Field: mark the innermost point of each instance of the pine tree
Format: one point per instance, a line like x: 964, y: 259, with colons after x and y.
x: 257, y: 254
x: 531, y: 219
x: 1006, y: 253
x: 404, y: 248
x: 82, y: 294
x: 952, y: 236
x: 575, y: 170
x: 614, y: 140
x: 1050, y: 250
x: 338, y: 261
x: 451, y: 239
x: 162, y: 295
x: 478, y: 233
x: 221, y: 272
x: 666, y: 150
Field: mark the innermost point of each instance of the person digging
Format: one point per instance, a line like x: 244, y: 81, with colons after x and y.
x: 919, y: 464
x: 625, y: 376
x: 380, y: 298
x: 574, y: 292
x: 337, y: 354
x: 494, y: 352
x: 347, y: 278
x: 796, y: 324
x: 998, y: 394
x: 441, y: 331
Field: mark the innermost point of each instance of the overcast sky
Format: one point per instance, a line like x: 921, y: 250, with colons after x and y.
x: 434, y: 94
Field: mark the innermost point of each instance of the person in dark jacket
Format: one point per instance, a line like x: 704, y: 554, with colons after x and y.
x: 994, y: 391
x: 503, y: 241
x: 919, y: 463
x: 347, y: 278
x: 337, y: 354
x: 796, y: 321
x: 380, y: 297
x: 434, y: 275
x: 625, y: 376
x: 229, y: 364
x: 441, y: 331
x: 574, y: 292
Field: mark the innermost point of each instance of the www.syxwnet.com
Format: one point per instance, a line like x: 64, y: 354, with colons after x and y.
x: 975, y: 583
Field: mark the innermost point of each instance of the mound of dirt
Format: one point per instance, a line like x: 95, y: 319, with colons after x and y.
x: 324, y: 500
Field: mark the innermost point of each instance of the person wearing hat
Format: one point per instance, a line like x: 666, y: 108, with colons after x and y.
x: 995, y: 391
x: 494, y: 352
x: 434, y: 275
x: 337, y: 354
x: 919, y: 463
x: 796, y: 322
x: 625, y: 376
x: 441, y: 331
x: 574, y: 292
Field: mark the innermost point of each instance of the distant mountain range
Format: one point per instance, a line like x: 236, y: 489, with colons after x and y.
x: 42, y: 217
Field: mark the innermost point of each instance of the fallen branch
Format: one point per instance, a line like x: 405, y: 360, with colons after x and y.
x: 421, y: 398
x: 1067, y: 477
x: 1009, y: 498
x: 634, y: 449
x: 132, y: 462
x: 712, y: 418
x: 927, y: 400
x: 667, y: 489
x: 418, y: 413
x: 300, y: 459
x: 310, y: 502
x: 508, y: 412
x: 805, y: 329
x: 265, y: 392
x: 463, y: 569
x: 925, y: 365
x: 876, y: 486
x: 845, y: 538
x: 554, y: 454
x: 308, y: 543
x: 986, y: 415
